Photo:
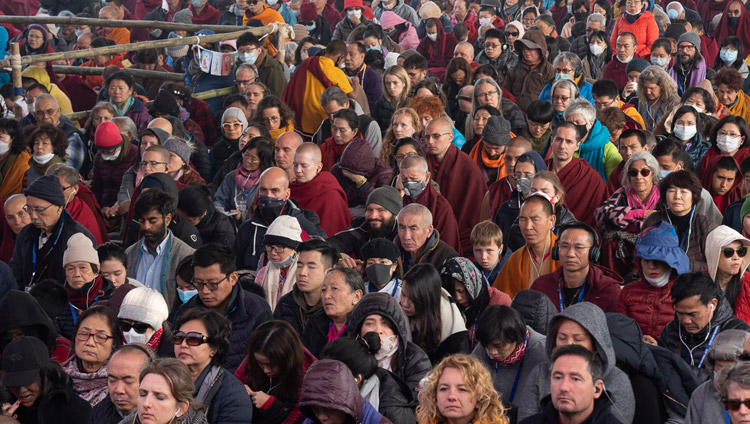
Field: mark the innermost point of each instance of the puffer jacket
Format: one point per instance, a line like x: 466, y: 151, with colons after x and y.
x: 617, y: 383
x: 396, y: 401
x: 383, y: 113
x: 330, y: 384
x: 359, y: 159
x: 536, y: 308
x: 650, y: 306
x: 718, y: 238
x: 217, y: 228
x: 602, y: 287
x: 412, y: 363
x: 645, y: 30
x: 106, y: 176
x: 698, y: 233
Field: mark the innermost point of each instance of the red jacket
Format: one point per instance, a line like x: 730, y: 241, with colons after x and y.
x: 742, y: 304
x: 602, y: 287
x: 645, y: 30
x: 651, y: 307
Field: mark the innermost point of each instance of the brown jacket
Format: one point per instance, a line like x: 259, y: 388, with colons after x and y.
x: 525, y: 82
x: 433, y: 252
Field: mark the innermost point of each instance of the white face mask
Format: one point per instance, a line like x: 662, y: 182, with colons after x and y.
x: 432, y: 37
x: 354, y: 13
x: 284, y: 262
x: 626, y: 60
x: 4, y: 147
x: 661, y: 281
x: 111, y: 157
x: 43, y: 159
x: 484, y: 21
x: 685, y: 132
x: 697, y: 108
x: 727, y: 144
x: 596, y: 49
x: 388, y: 348
x: 132, y: 337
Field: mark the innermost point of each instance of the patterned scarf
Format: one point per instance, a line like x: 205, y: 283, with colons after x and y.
x: 517, y: 353
x: 90, y: 386
x: 245, y: 179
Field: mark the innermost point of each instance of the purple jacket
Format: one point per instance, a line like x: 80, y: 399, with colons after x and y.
x: 696, y: 75
x: 106, y: 176
x: 359, y: 159
x: 138, y: 112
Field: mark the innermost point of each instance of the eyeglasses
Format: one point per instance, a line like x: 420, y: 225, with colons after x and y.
x: 486, y: 95
x: 275, y: 249
x: 152, y: 164
x: 466, y: 99
x: 273, y: 119
x: 36, y: 209
x: 213, y: 286
x: 734, y: 404
x: 83, y: 336
x: 729, y: 252
x: 686, y: 47
x: 140, y: 327
x: 231, y: 124
x: 401, y: 157
x: 563, y: 71
x: 48, y: 112
x: 192, y: 338
x: 429, y: 137
x: 560, y: 98
x: 645, y: 172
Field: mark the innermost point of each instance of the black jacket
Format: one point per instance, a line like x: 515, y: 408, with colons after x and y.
x: 67, y: 320
x: 536, y: 308
x: 352, y: 239
x: 226, y: 400
x: 383, y: 113
x: 219, y: 154
x: 20, y: 310
x: 60, y: 405
x: 217, y: 228
x: 290, y: 309
x: 7, y: 280
x: 397, y: 401
x: 549, y: 415
x: 105, y: 412
x: 315, y: 334
x: 230, y: 164
x: 246, y: 312
x: 22, y: 262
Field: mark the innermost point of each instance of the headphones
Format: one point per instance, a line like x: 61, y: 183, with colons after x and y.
x: 594, y: 252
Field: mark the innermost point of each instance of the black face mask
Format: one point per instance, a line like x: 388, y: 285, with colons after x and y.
x: 270, y: 207
x: 582, y: 131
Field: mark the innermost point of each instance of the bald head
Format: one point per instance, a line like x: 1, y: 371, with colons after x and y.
x: 16, y: 217
x: 161, y: 123
x: 516, y: 148
x: 107, y: 12
x: 522, y: 143
x: 274, y: 182
x: 439, y: 136
x: 464, y: 50
x: 414, y: 162
x: 286, y: 146
x: 307, y: 162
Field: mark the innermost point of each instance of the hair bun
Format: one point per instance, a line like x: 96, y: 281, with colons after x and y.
x: 372, y: 341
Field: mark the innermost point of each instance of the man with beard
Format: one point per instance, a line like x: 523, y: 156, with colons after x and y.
x: 154, y: 257
x: 689, y: 66
x: 383, y: 204
x: 273, y: 201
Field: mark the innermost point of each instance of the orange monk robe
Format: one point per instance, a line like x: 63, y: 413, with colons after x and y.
x: 119, y: 35
x: 519, y: 273
x: 267, y: 16
x: 741, y: 106
x: 12, y: 181
x: 312, y: 111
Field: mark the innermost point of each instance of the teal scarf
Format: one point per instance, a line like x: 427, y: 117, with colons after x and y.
x: 125, y: 108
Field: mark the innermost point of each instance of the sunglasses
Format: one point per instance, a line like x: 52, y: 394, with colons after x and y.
x: 253, y: 1
x: 511, y: 34
x: 192, y: 338
x: 645, y: 172
x: 729, y: 252
x: 140, y: 327
x: 734, y: 404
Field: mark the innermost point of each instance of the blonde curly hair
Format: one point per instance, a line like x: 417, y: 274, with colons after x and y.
x: 489, y: 409
x: 389, y: 140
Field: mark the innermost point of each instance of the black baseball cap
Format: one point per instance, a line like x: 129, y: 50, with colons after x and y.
x: 22, y: 360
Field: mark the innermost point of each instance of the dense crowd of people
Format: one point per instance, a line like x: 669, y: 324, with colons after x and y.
x: 424, y: 211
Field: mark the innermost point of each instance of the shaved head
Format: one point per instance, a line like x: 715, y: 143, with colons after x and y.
x: 307, y: 162
x: 521, y: 143
x: 414, y: 162
x: 274, y: 182
x: 285, y: 147
x: 107, y: 12
x: 311, y: 148
x: 441, y: 123
x: 161, y: 123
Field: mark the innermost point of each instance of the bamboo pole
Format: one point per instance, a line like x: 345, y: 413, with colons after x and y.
x: 143, y: 45
x: 209, y: 94
x: 65, y: 20
x: 140, y: 73
x: 15, y: 64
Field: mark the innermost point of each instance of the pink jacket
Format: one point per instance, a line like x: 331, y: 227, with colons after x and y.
x: 407, y: 39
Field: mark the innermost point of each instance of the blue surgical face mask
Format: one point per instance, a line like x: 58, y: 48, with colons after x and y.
x: 248, y: 58
x: 561, y: 76
x: 728, y: 56
x: 186, y: 295
x: 376, y: 48
x: 659, y: 61
x: 673, y: 14
x: 311, y: 27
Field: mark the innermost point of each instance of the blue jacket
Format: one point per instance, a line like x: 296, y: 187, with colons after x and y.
x: 732, y: 216
x: 228, y: 193
x: 287, y: 14
x: 584, y: 90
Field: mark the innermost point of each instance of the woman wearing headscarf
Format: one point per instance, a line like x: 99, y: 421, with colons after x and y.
x: 35, y: 40
x: 728, y: 259
x: 279, y: 274
x: 233, y: 125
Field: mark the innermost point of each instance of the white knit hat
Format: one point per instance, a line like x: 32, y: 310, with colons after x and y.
x: 80, y: 249
x: 283, y: 231
x: 145, y: 305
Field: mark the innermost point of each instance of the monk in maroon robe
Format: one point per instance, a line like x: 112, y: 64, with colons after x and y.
x: 584, y: 188
x: 414, y: 173
x: 318, y: 190
x: 499, y: 191
x: 459, y: 178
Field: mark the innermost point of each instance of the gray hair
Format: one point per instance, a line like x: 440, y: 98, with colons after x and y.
x: 415, y: 209
x: 247, y: 67
x: 596, y: 17
x: 43, y: 97
x: 12, y: 198
x: 351, y: 277
x: 332, y: 94
x: 580, y: 107
x: 470, y: 119
x: 465, y: 43
x: 565, y: 85
x: 572, y: 59
x: 68, y: 173
x: 126, y: 124
x: 651, y: 162
x: 414, y: 161
x: 738, y: 374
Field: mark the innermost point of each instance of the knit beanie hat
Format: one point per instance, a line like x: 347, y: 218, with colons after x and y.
x: 80, y: 249
x: 177, y: 52
x: 107, y: 136
x: 165, y: 103
x: 745, y: 209
x: 379, y: 248
x: 308, y: 12
x: 180, y: 148
x: 637, y: 64
x: 283, y: 231
x: 429, y: 10
x: 46, y: 187
x: 236, y: 113
x: 300, y: 32
x: 691, y: 38
x: 496, y: 131
x: 145, y: 305
x: 387, y: 197
x: 184, y: 16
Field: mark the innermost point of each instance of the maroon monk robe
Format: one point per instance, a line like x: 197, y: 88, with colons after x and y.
x: 463, y: 185
x: 614, y: 182
x: 584, y: 189
x: 324, y: 196
x: 7, y: 240
x: 87, y: 196
x: 442, y: 216
x: 712, y: 157
x: 499, y: 192
x: 84, y: 216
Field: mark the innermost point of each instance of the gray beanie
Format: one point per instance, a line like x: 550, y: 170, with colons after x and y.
x: 236, y: 113
x: 691, y: 38
x: 177, y: 51
x: 496, y: 131
x: 184, y: 16
x: 637, y: 64
x: 387, y: 197
x: 180, y: 148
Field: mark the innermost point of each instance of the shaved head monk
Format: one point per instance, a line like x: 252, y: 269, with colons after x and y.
x: 318, y: 190
x: 446, y: 162
x: 418, y: 240
x: 500, y: 190
x: 161, y: 123
x: 584, y: 188
x: 284, y: 149
x: 415, y: 178
x: 272, y: 201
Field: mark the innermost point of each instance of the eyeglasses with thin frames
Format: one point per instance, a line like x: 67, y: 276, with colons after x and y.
x: 213, y: 286
x: 36, y: 209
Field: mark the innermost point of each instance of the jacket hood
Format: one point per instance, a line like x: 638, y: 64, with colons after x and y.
x: 631, y: 352
x: 536, y: 308
x: 382, y: 304
x: 598, y: 138
x: 19, y: 309
x: 718, y: 238
x: 519, y: 26
x: 592, y: 319
x: 358, y: 157
x: 390, y: 19
x: 37, y: 74
x: 329, y: 384
x: 536, y: 37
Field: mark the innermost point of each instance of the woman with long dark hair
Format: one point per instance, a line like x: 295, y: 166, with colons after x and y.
x: 728, y: 258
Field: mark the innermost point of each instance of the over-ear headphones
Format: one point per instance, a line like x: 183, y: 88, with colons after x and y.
x: 594, y: 252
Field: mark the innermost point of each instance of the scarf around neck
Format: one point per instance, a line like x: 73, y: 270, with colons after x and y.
x: 42, y: 169
x: 651, y: 202
x: 125, y: 107
x: 245, y: 179
x: 86, y: 295
x: 517, y: 353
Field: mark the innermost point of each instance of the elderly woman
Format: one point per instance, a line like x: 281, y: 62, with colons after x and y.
x: 120, y: 87
x: 620, y: 218
x: 233, y: 125
x: 595, y: 147
x: 237, y: 192
x: 657, y: 95
x: 563, y: 92
x: 688, y: 128
x: 201, y: 341
x: 14, y: 160
x: 486, y: 92
x: 48, y: 144
x: 279, y: 274
x: 40, y: 389
x: 342, y: 289
x: 458, y: 74
x: 254, y: 129
x: 396, y: 89
x: 732, y: 385
x: 568, y: 66
x: 96, y: 336
x: 728, y: 259
x: 680, y: 191
x: 142, y: 315
x: 275, y: 115
x: 466, y: 284
x: 460, y: 390
x: 344, y: 130
x: 404, y: 123
x: 730, y: 94
x: 165, y: 395
x: 659, y: 260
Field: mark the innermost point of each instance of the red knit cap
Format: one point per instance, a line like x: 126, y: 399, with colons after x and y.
x: 308, y: 12
x: 107, y: 135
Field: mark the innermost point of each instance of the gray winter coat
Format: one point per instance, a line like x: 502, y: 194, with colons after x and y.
x: 403, y: 10
x: 704, y: 406
x: 616, y: 382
